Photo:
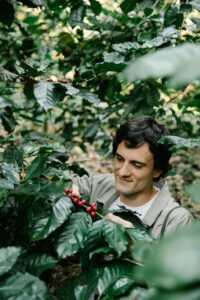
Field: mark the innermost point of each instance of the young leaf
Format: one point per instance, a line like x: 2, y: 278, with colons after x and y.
x: 8, y: 257
x: 71, y: 238
x: 44, y: 95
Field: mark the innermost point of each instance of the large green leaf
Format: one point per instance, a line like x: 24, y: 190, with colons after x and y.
x: 23, y: 287
x: 73, y: 234
x: 37, y: 263
x: 168, y: 62
x: 90, y: 97
x: 115, y: 235
x: 8, y: 257
x: 44, y: 94
x: 6, y: 184
x: 112, y: 273
x: 36, y: 168
x: 13, y: 155
x: 128, y: 5
x: 174, y: 261
x: 42, y: 223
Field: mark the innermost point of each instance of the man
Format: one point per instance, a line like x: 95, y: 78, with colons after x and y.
x: 137, y: 185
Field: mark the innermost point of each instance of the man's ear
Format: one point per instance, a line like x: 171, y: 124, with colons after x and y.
x: 157, y: 173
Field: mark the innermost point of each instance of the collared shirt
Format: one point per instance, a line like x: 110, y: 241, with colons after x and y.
x: 140, y: 211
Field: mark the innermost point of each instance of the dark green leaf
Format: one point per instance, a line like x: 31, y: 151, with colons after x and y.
x: 73, y: 234
x: 13, y: 155
x: 95, y: 6
x: 36, y: 167
x: 115, y: 235
x: 128, y: 5
x: 113, y: 273
x: 90, y: 97
x: 44, y: 94
x: 8, y: 257
x: 37, y: 263
x: 7, y: 12
x: 77, y: 15
x: 45, y: 222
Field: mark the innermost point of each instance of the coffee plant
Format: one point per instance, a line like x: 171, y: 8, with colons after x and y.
x: 70, y: 72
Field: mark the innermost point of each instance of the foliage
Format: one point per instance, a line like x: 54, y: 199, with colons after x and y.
x: 63, y: 65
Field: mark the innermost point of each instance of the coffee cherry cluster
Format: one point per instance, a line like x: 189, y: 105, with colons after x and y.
x: 79, y: 201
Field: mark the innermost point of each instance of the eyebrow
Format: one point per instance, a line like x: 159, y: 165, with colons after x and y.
x: 133, y: 161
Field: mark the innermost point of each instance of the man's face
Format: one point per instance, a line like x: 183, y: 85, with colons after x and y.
x: 134, y: 171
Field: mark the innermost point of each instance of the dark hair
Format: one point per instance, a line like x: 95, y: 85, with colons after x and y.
x: 145, y: 129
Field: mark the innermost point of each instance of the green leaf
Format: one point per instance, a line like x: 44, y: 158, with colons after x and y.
x: 73, y: 234
x: 71, y: 90
x: 112, y: 273
x: 45, y: 222
x: 6, y: 184
x: 164, y: 37
x: 174, y: 260
x: 128, y: 5
x: 7, y: 12
x: 95, y: 6
x: 36, y: 167
x: 44, y: 94
x: 37, y: 263
x: 193, y: 191
x: 86, y: 283
x: 13, y: 155
x: 90, y: 97
x: 180, y: 143
x: 125, y: 47
x: 11, y: 172
x: 6, y: 75
x: 22, y: 287
x: 115, y: 235
x: 8, y: 257
x: 168, y: 62
x: 77, y: 15
x: 139, y: 235
x: 93, y: 240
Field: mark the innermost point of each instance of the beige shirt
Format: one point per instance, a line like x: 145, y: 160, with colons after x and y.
x: 101, y: 189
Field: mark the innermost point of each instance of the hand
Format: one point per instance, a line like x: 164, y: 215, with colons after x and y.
x: 119, y: 220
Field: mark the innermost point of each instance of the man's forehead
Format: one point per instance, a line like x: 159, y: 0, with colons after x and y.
x: 141, y: 153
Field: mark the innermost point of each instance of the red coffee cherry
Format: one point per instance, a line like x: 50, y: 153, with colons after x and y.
x: 93, y: 205
x: 89, y: 209
x: 93, y: 213
x: 83, y: 202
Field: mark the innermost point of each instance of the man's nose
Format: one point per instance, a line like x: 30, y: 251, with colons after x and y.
x: 125, y: 170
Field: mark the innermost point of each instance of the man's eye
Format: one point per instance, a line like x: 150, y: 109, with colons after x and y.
x: 118, y: 158
x: 138, y: 166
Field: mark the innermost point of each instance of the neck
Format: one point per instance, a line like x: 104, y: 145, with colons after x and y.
x: 138, y: 198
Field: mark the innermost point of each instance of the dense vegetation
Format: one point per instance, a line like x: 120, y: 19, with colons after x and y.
x: 70, y: 72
